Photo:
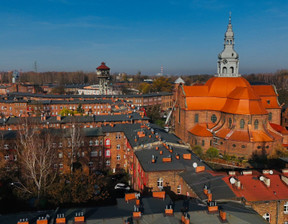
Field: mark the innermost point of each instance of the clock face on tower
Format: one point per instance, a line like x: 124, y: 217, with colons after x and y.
x: 224, y: 61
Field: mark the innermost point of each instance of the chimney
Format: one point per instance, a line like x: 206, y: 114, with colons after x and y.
x: 231, y: 173
x: 284, y: 179
x: 247, y: 172
x: 153, y: 159
x: 267, y: 172
x: 265, y: 180
x: 199, y: 169
x: 238, y: 184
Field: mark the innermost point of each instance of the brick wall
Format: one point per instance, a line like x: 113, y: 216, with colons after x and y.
x: 272, y: 207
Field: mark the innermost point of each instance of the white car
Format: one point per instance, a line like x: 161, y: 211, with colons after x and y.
x: 121, y: 186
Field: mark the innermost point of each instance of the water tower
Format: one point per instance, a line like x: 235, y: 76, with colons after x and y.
x: 103, y: 74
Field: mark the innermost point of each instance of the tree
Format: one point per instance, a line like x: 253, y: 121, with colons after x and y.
x: 75, y: 138
x: 212, y: 153
x: 198, y: 150
x: 78, y: 187
x: 278, y: 152
x: 144, y: 88
x: 80, y: 110
x: 66, y: 112
x: 36, y: 157
x: 161, y: 84
x: 58, y: 90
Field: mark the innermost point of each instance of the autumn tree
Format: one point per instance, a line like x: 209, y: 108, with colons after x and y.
x: 161, y: 84
x: 144, y: 88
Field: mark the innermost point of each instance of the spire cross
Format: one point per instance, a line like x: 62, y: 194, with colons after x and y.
x: 230, y: 13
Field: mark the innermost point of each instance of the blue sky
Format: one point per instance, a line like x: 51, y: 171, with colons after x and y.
x: 185, y: 36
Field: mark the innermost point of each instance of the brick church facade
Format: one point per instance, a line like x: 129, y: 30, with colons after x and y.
x: 227, y: 112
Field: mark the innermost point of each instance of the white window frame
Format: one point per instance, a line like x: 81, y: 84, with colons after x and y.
x: 267, y: 217
x: 286, y: 208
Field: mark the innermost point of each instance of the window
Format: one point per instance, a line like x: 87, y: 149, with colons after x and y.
x: 160, y: 182
x: 118, y: 157
x: 213, y: 118
x: 179, y: 189
x: 118, y: 147
x: 256, y: 122
x: 60, y: 144
x: 90, y: 164
x: 196, y: 118
x: 97, y: 142
x: 94, y: 153
x: 90, y: 143
x: 230, y: 122
x: 267, y: 217
x: 60, y: 155
x: 108, y: 153
x: 6, y: 157
x: 268, y: 101
x: 242, y: 123
x: 107, y: 162
x: 60, y: 165
x: 100, y: 153
x: 6, y: 146
x: 286, y: 208
x: 203, y: 142
x: 270, y: 116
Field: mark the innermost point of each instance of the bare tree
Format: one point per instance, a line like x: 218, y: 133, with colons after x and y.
x: 36, y: 158
x: 75, y: 137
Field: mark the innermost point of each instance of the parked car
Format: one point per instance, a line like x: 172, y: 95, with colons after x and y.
x: 121, y: 186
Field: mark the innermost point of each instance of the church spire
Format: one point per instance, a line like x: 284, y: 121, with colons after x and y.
x: 228, y: 62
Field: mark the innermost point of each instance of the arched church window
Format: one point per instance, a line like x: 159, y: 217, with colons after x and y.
x: 230, y: 122
x: 270, y: 116
x: 224, y: 70
x: 256, y: 123
x: 242, y: 123
x: 196, y: 118
x: 232, y: 70
x: 213, y: 118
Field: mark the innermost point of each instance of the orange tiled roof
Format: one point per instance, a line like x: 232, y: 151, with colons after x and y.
x: 223, y: 86
x: 275, y: 136
x: 226, y: 94
x: 260, y: 136
x: 205, y: 103
x: 240, y: 136
x: 256, y: 190
x: 200, y: 130
x: 279, y: 128
x: 273, y: 102
x: 243, y: 106
x: 264, y: 90
x: 195, y: 90
x: 223, y: 132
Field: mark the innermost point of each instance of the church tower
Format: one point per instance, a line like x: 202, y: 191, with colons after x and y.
x: 228, y: 60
